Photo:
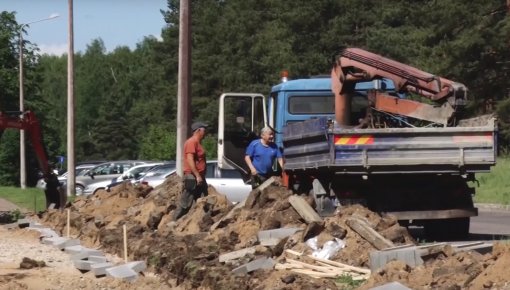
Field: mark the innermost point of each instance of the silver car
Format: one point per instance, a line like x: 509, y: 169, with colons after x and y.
x: 130, y: 175
x: 104, y: 171
x: 80, y: 170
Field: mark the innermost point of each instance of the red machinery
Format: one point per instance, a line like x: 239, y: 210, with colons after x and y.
x: 355, y: 65
x: 28, y: 122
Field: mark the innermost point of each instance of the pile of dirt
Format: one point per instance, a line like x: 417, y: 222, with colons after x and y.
x: 187, y: 251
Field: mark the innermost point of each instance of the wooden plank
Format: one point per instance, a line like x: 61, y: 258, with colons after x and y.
x: 287, y: 266
x: 341, y: 265
x: 314, y: 273
x: 313, y: 267
x: 304, y: 209
x: 369, y: 234
x: 295, y: 253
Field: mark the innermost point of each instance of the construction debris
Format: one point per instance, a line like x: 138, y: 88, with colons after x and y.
x: 261, y: 241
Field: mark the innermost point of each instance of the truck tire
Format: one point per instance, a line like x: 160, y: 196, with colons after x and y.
x: 447, y: 229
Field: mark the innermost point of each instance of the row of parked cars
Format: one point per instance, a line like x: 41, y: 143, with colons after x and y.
x: 93, y: 177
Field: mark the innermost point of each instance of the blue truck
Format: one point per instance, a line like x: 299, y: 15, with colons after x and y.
x: 370, y: 140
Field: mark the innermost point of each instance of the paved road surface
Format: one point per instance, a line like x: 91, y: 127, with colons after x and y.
x: 491, y: 224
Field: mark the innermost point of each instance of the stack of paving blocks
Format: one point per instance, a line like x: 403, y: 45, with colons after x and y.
x: 86, y: 259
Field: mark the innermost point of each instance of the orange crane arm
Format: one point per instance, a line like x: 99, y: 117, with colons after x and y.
x: 357, y: 65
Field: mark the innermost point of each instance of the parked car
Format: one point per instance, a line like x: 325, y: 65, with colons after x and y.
x: 104, y: 171
x: 80, y: 170
x: 226, y: 181
x: 157, y: 175
x: 130, y: 175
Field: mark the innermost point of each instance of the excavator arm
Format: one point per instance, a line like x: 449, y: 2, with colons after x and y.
x: 355, y: 65
x: 28, y: 122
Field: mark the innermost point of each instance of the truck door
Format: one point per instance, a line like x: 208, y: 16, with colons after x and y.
x: 241, y: 116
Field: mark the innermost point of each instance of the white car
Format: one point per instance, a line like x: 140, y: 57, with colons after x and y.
x: 226, y: 181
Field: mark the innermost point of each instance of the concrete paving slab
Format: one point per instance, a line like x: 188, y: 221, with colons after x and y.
x: 122, y: 272
x: 71, y: 250
x: 62, y: 244
x: 261, y: 263
x: 137, y: 266
x: 391, y: 286
x: 83, y: 265
x: 99, y: 269
x: 236, y: 254
x: 36, y: 225
x: 97, y: 259
x: 411, y: 256
x: 277, y: 233
x: 86, y: 253
x: 52, y: 240
x: 270, y: 242
x: 46, y: 232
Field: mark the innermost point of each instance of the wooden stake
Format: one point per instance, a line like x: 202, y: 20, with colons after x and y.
x: 68, y: 223
x: 125, y: 243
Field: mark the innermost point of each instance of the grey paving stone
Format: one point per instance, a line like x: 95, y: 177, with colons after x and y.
x: 83, y: 265
x: 74, y: 249
x: 86, y: 253
x: 97, y: 259
x: 137, y: 266
x: 261, y: 263
x: 122, y: 272
x: 277, y: 233
x: 391, y: 286
x: 99, y: 269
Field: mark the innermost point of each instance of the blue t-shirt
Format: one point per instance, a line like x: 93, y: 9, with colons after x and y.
x: 263, y: 156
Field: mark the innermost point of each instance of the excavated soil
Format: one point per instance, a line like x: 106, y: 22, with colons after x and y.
x: 185, y: 253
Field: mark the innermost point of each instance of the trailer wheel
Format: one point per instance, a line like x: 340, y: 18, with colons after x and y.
x: 447, y: 229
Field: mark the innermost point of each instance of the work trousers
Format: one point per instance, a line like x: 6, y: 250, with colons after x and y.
x: 257, y: 180
x: 191, y: 192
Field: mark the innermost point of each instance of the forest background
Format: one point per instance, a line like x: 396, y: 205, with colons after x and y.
x: 126, y: 99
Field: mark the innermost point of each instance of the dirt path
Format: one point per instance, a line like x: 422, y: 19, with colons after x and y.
x: 59, y: 272
x: 6, y: 205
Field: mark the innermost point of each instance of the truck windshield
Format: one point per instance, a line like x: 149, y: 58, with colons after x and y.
x: 311, y: 105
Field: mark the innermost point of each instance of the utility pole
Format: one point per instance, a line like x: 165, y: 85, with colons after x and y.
x: 71, y: 168
x: 22, y: 152
x: 184, y: 82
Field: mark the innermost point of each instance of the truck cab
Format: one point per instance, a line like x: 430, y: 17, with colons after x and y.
x: 242, y: 115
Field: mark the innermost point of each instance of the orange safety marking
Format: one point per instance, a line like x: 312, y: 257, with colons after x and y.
x: 354, y: 140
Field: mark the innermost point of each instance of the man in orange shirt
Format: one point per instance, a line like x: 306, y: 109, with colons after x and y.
x: 194, y: 169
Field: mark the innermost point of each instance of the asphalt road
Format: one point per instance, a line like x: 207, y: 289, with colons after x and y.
x: 490, y: 224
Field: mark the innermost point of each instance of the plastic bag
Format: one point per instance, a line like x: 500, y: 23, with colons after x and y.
x: 329, y: 249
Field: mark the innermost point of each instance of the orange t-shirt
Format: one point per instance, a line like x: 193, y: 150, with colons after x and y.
x: 192, y: 146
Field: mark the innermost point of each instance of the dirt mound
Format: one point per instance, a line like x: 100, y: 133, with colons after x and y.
x: 187, y: 251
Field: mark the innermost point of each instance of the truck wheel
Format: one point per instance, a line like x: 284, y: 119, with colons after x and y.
x: 447, y: 229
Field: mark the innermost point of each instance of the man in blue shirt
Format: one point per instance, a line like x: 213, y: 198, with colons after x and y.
x: 260, y: 156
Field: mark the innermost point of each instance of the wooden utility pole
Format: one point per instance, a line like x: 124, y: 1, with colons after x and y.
x: 71, y: 172
x: 184, y: 82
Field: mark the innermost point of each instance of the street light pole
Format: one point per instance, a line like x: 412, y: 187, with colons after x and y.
x: 22, y: 155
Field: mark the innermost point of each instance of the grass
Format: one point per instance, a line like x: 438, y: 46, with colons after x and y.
x: 26, y: 199
x: 494, y: 187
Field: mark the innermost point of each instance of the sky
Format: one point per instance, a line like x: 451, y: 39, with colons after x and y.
x: 116, y: 22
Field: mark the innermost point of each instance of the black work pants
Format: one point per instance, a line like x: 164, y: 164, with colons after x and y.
x: 257, y: 180
x: 191, y: 191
